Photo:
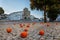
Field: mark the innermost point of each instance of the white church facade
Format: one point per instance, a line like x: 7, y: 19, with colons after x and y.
x: 19, y: 15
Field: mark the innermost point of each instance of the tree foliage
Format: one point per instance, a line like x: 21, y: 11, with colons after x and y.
x: 52, y: 15
x: 53, y: 11
x: 47, y: 6
x: 39, y: 4
x: 1, y: 11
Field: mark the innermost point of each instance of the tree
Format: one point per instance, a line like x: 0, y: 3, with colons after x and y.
x: 3, y: 16
x: 52, y: 15
x: 1, y: 11
x: 44, y: 5
x: 39, y: 5
x: 53, y: 10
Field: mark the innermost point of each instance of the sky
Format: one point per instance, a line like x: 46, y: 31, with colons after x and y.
x: 10, y: 6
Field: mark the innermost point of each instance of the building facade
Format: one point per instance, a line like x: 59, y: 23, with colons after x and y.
x: 20, y: 15
x: 25, y: 14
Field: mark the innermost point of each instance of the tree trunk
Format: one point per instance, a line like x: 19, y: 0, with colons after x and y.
x: 45, y: 17
x: 45, y: 20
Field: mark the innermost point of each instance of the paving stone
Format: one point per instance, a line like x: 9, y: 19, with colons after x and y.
x: 51, y: 33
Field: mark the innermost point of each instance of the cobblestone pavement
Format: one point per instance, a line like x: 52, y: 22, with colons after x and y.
x: 52, y: 32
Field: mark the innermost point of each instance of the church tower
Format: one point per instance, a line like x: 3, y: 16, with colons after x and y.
x: 26, y: 13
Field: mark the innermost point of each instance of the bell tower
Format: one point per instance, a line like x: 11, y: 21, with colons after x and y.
x: 26, y: 13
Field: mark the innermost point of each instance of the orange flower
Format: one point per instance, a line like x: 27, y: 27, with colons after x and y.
x: 26, y: 29
x: 23, y: 34
x: 9, y: 30
x: 48, y: 25
x: 28, y: 26
x: 41, y: 32
x: 21, y: 25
